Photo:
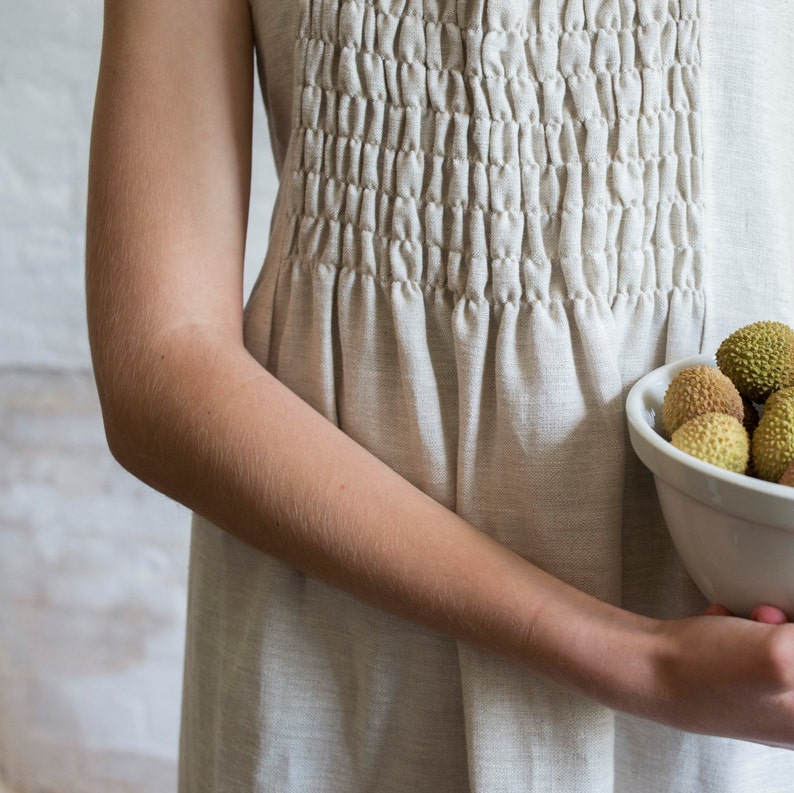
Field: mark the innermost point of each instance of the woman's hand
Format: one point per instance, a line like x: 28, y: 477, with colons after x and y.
x: 714, y: 674
x: 730, y: 676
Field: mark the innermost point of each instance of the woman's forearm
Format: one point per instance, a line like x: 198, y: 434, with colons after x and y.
x: 191, y: 413
x: 204, y: 423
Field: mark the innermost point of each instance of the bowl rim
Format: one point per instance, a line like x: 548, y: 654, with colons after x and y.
x: 651, y: 447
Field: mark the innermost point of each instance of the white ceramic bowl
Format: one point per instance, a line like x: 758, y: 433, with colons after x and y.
x: 735, y: 534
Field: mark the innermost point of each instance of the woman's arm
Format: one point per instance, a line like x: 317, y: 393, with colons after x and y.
x: 191, y: 413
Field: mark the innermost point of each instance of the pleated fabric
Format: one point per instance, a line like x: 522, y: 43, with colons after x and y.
x: 491, y: 222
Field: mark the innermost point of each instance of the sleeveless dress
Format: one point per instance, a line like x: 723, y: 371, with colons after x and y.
x: 493, y: 217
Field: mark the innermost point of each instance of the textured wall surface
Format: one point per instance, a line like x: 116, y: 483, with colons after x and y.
x: 92, y: 594
x: 49, y: 53
x: 93, y: 564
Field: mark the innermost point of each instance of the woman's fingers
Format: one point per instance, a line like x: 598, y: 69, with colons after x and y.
x: 770, y: 615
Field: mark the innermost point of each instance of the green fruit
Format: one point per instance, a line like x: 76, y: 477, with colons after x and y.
x: 715, y: 438
x: 759, y: 359
x: 698, y: 390
x: 773, y: 440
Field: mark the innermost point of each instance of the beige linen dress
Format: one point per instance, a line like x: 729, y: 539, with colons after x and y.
x: 493, y: 218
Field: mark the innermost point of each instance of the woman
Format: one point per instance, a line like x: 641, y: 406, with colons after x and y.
x: 423, y: 557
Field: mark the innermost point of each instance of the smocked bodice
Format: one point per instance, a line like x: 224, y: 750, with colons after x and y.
x: 504, y: 150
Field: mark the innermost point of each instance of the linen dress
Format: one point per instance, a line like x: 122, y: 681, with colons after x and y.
x: 493, y: 217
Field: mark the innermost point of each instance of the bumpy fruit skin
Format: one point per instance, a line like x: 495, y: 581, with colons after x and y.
x: 773, y: 440
x: 715, y: 438
x: 698, y: 390
x: 759, y: 359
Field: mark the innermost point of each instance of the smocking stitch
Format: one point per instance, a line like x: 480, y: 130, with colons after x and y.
x: 467, y: 143
x: 429, y: 20
x: 452, y: 158
x: 662, y: 293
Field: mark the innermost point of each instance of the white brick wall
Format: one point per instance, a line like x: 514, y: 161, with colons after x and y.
x: 92, y: 563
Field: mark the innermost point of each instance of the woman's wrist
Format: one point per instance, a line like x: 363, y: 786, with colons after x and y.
x: 623, y: 652
x: 600, y: 650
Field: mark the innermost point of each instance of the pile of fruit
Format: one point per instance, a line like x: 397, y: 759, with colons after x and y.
x: 739, y: 416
